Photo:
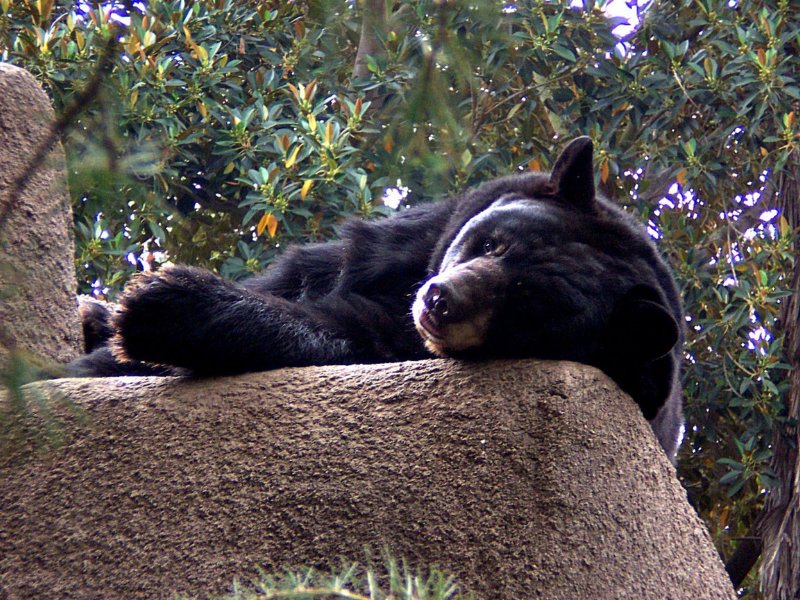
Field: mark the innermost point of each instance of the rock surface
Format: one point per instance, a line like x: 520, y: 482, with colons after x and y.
x: 524, y: 479
x: 38, y: 310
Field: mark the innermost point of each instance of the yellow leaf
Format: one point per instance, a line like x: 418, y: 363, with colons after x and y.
x: 764, y: 152
x: 604, y: 171
x: 44, y: 7
x: 681, y: 177
x: 228, y: 168
x: 310, y: 89
x: 306, y: 187
x: 134, y: 96
x: 132, y: 46
x: 294, y: 91
x: 268, y: 222
x: 723, y: 517
x: 790, y: 120
x: 784, y: 226
x: 535, y: 165
x: 466, y: 158
x: 293, y: 157
x: 312, y: 122
x: 201, y: 107
x: 329, y: 132
x: 272, y: 225
x: 262, y: 223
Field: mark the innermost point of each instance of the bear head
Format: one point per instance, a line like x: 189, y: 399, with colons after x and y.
x: 540, y: 266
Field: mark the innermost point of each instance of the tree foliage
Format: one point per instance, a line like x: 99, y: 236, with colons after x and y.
x: 227, y: 129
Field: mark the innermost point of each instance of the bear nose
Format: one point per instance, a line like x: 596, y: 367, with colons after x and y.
x: 436, y: 301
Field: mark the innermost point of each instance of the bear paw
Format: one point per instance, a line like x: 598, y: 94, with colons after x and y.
x: 163, y: 316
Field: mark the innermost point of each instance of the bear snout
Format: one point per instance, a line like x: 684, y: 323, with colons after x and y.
x: 436, y: 302
x: 448, y: 300
x: 452, y: 310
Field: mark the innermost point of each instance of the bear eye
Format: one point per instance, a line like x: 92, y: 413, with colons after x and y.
x: 492, y: 246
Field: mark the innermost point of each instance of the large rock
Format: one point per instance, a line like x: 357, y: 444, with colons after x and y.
x: 524, y: 479
x: 38, y: 310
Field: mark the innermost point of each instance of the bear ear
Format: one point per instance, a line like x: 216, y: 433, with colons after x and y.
x: 641, y: 327
x: 573, y: 173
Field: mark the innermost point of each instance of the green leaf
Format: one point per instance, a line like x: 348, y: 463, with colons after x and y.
x: 736, y: 488
x: 564, y: 53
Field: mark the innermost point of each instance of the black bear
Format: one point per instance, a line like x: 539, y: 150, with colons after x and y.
x: 530, y: 265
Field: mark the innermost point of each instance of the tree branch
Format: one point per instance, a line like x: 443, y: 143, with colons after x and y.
x: 372, y: 24
x: 780, y: 569
x: 745, y: 556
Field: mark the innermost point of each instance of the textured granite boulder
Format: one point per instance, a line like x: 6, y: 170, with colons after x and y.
x: 524, y: 479
x: 38, y: 310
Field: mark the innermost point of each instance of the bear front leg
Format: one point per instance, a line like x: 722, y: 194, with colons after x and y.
x: 191, y: 318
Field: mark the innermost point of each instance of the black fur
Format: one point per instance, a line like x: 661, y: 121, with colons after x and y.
x: 96, y: 322
x: 531, y: 265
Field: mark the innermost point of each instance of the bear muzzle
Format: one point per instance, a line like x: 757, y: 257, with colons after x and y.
x: 452, y: 310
